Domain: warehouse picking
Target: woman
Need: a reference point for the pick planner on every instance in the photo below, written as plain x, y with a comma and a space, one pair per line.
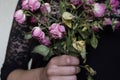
105, 59
19, 54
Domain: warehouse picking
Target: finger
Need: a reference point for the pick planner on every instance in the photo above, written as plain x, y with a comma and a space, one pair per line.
65, 60
63, 70
73, 77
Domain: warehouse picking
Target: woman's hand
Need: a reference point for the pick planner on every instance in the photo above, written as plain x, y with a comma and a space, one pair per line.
59, 68
62, 68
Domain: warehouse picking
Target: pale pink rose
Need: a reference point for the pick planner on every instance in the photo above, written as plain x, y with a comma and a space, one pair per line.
99, 9
38, 33
33, 20
20, 16
76, 2
34, 4
107, 21
89, 1
57, 31
45, 8
25, 4
46, 41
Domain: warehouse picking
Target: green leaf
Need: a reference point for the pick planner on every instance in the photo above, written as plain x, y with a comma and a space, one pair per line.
51, 53
94, 41
68, 39
62, 7
28, 36
41, 49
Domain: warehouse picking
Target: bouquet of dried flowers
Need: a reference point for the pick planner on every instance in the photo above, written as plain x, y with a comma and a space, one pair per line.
67, 26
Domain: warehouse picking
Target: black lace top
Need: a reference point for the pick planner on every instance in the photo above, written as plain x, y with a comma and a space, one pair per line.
105, 59
18, 52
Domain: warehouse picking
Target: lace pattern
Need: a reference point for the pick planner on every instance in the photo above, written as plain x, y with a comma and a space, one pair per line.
18, 50
18, 47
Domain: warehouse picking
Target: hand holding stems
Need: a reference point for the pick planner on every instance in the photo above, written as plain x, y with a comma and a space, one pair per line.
62, 68
59, 68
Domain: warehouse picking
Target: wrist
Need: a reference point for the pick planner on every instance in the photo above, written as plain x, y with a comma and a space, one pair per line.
40, 74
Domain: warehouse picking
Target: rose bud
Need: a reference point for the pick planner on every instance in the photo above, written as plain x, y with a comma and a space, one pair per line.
20, 16
76, 2
99, 9
38, 33
34, 5
57, 31
25, 4
45, 8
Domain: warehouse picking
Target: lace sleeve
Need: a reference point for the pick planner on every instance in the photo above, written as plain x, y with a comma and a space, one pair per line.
18, 51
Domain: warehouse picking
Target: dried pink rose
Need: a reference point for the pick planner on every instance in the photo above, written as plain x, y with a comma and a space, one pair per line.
57, 31
99, 9
20, 16
34, 4
45, 8
46, 41
25, 4
38, 33
114, 3
76, 2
